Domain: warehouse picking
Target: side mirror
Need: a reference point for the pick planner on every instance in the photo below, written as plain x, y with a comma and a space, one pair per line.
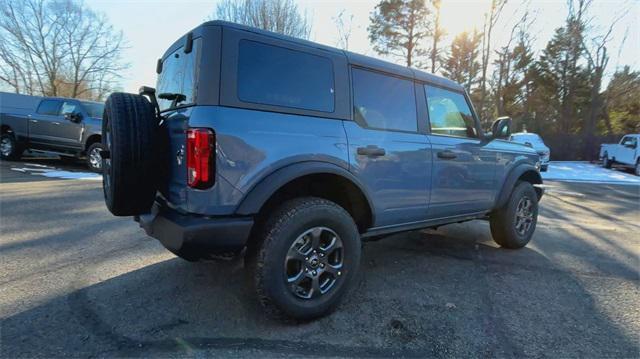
73, 117
501, 128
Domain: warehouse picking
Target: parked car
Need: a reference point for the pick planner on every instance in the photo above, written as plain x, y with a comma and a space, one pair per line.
297, 152
67, 127
534, 141
625, 153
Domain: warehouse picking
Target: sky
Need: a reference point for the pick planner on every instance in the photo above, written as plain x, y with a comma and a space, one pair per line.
150, 26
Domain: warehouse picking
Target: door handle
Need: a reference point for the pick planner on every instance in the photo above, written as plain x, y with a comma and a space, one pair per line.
447, 155
372, 151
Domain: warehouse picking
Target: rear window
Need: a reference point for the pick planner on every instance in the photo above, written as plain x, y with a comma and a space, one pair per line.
178, 76
384, 102
272, 75
49, 107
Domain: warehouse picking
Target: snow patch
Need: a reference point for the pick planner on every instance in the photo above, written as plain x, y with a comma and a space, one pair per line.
51, 172
588, 173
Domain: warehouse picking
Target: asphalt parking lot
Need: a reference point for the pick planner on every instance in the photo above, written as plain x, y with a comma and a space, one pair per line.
76, 281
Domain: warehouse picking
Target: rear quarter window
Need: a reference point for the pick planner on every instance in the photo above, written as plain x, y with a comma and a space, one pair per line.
277, 76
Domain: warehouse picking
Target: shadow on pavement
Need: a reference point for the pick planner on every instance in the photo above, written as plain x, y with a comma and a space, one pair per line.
419, 294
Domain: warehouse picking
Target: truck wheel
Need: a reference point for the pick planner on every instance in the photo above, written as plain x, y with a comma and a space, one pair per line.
129, 135
513, 225
638, 167
9, 147
309, 256
94, 158
606, 162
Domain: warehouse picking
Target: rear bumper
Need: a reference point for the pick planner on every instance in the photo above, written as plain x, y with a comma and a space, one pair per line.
189, 233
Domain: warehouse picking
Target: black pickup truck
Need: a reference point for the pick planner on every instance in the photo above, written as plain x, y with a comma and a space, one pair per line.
70, 128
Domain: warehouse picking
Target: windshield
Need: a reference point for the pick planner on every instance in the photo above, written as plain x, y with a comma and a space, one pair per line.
178, 76
94, 109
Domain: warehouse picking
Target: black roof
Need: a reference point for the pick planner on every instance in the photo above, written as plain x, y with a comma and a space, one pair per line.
353, 58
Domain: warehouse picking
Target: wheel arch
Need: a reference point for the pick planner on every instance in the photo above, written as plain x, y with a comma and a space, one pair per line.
312, 178
91, 140
521, 172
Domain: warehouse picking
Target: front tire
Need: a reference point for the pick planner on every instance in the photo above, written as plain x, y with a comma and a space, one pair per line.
94, 158
606, 162
9, 148
513, 225
309, 257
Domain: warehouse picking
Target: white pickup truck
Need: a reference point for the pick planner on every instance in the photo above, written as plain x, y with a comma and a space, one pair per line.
625, 153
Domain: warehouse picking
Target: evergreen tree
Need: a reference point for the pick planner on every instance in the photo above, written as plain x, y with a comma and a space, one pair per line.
398, 28
462, 64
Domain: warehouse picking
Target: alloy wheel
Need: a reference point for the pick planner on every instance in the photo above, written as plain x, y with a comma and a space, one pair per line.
314, 263
524, 215
95, 159
6, 146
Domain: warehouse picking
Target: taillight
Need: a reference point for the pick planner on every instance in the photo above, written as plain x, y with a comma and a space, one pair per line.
200, 158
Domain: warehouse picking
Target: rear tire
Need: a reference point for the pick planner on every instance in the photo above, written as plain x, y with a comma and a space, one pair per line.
606, 162
513, 225
298, 272
10, 149
129, 134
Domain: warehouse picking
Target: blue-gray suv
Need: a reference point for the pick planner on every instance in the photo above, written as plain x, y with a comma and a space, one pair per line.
292, 153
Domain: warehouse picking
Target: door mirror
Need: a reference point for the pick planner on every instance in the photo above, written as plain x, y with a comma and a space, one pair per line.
501, 128
73, 117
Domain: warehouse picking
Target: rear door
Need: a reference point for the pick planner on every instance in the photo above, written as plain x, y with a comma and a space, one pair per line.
463, 169
387, 150
42, 121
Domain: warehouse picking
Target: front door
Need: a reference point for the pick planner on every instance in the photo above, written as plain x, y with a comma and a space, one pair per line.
66, 132
387, 151
463, 169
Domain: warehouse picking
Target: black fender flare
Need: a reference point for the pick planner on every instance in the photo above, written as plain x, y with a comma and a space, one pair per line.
263, 190
510, 181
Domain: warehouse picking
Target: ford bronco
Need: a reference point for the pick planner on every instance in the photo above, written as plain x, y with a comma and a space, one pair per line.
292, 153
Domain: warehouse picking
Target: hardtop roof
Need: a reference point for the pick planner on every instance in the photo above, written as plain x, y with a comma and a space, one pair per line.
353, 58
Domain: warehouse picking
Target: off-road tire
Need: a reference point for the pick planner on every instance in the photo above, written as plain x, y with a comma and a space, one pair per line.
503, 221
606, 162
129, 135
280, 231
94, 146
16, 149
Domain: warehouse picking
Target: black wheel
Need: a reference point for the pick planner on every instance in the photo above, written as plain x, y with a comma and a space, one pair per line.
10, 149
94, 158
309, 256
606, 162
513, 225
129, 135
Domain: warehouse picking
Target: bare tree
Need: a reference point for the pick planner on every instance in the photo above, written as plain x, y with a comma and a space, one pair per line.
490, 21
344, 25
281, 16
597, 60
436, 53
58, 48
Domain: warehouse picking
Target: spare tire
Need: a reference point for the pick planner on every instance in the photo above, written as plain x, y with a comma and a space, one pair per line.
129, 138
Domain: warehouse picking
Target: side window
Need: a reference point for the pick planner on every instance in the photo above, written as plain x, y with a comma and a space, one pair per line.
627, 140
69, 107
277, 76
49, 107
449, 113
384, 102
